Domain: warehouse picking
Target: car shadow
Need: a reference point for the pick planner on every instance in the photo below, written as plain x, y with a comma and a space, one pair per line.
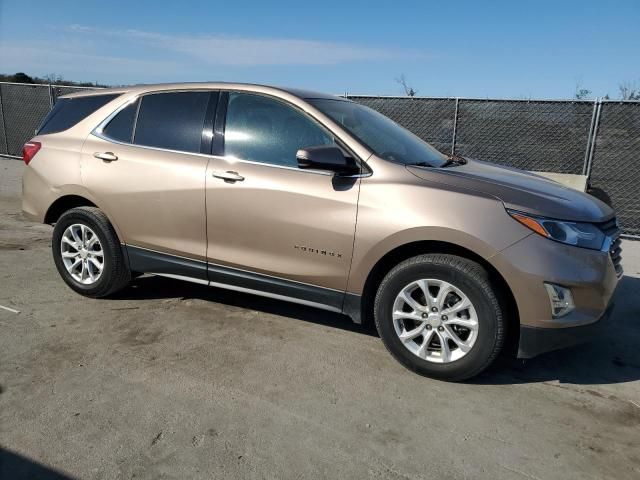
17, 467
614, 358
156, 287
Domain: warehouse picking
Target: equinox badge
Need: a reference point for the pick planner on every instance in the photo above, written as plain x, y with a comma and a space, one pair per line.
326, 253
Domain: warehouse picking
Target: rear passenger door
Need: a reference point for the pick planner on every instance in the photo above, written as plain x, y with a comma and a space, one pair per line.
146, 168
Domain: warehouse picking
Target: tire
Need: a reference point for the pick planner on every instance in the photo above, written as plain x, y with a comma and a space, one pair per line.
484, 338
115, 273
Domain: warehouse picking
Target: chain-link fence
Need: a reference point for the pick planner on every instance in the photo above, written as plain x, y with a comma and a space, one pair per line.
536, 135
22, 108
599, 139
615, 167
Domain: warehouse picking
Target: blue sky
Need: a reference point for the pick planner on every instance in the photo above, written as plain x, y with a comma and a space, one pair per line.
506, 49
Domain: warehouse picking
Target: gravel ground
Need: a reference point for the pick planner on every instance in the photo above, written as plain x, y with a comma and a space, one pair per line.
176, 380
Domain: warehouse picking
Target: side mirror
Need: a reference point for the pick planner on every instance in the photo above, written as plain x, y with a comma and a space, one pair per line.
327, 157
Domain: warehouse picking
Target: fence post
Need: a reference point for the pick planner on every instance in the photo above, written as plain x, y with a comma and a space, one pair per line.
455, 128
51, 99
594, 136
4, 125
588, 148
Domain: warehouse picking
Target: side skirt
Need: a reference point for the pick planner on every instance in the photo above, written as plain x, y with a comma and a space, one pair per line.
149, 261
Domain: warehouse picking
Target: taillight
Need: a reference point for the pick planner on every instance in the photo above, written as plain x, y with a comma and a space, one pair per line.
29, 151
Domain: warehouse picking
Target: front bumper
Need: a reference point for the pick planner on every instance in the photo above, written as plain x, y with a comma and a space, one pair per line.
534, 341
534, 260
589, 274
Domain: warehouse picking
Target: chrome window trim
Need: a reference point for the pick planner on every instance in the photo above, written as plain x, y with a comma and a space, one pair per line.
135, 120
95, 133
232, 160
98, 132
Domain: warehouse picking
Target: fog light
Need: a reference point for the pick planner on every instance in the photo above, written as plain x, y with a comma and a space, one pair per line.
560, 298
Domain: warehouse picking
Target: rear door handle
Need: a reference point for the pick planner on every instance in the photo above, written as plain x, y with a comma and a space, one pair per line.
229, 176
106, 156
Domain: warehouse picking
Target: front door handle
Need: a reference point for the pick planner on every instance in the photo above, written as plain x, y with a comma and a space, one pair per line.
106, 156
229, 176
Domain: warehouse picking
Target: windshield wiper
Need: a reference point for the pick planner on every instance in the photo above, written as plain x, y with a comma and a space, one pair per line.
453, 159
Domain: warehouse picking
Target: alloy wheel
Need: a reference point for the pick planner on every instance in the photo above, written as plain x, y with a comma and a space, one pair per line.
82, 254
435, 320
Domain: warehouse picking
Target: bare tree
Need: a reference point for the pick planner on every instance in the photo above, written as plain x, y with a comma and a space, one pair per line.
408, 90
53, 78
629, 91
581, 92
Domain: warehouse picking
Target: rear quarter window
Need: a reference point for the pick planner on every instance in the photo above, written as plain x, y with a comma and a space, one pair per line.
120, 128
69, 111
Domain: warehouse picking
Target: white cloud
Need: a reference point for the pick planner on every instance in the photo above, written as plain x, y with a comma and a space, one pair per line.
89, 53
250, 51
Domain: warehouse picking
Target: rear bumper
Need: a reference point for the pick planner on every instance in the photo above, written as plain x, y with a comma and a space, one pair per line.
35, 195
534, 341
30, 216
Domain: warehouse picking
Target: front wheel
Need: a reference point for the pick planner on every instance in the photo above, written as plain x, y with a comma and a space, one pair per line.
87, 253
439, 316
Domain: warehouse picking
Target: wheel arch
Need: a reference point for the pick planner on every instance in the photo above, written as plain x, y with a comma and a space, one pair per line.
73, 200
403, 252
64, 203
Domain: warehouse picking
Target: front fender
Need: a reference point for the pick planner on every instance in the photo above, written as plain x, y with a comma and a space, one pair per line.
406, 209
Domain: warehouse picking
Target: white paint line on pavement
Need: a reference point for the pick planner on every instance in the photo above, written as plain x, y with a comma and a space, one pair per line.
9, 309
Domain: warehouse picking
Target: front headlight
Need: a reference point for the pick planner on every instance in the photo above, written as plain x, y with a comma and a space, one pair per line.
585, 235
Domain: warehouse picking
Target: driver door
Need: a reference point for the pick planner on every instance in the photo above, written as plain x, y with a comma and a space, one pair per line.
272, 226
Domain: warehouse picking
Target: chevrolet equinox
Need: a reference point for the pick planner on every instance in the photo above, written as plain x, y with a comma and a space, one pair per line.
316, 199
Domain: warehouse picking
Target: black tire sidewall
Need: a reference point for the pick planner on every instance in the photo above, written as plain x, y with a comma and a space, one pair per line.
474, 286
78, 216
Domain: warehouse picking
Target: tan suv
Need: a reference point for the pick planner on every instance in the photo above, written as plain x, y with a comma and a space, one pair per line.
318, 200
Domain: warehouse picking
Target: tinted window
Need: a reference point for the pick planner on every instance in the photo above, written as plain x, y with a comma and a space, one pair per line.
172, 120
266, 130
69, 111
121, 126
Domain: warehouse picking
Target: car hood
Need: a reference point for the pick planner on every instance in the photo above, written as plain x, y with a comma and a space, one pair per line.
520, 190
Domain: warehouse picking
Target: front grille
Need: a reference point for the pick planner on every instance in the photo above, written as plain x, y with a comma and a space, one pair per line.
612, 231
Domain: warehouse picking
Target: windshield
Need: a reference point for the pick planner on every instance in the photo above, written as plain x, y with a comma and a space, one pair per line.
385, 137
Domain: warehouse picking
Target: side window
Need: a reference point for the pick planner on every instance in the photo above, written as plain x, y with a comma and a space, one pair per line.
120, 127
172, 120
265, 130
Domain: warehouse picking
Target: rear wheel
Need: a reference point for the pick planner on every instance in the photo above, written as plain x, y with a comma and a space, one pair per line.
439, 316
87, 253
